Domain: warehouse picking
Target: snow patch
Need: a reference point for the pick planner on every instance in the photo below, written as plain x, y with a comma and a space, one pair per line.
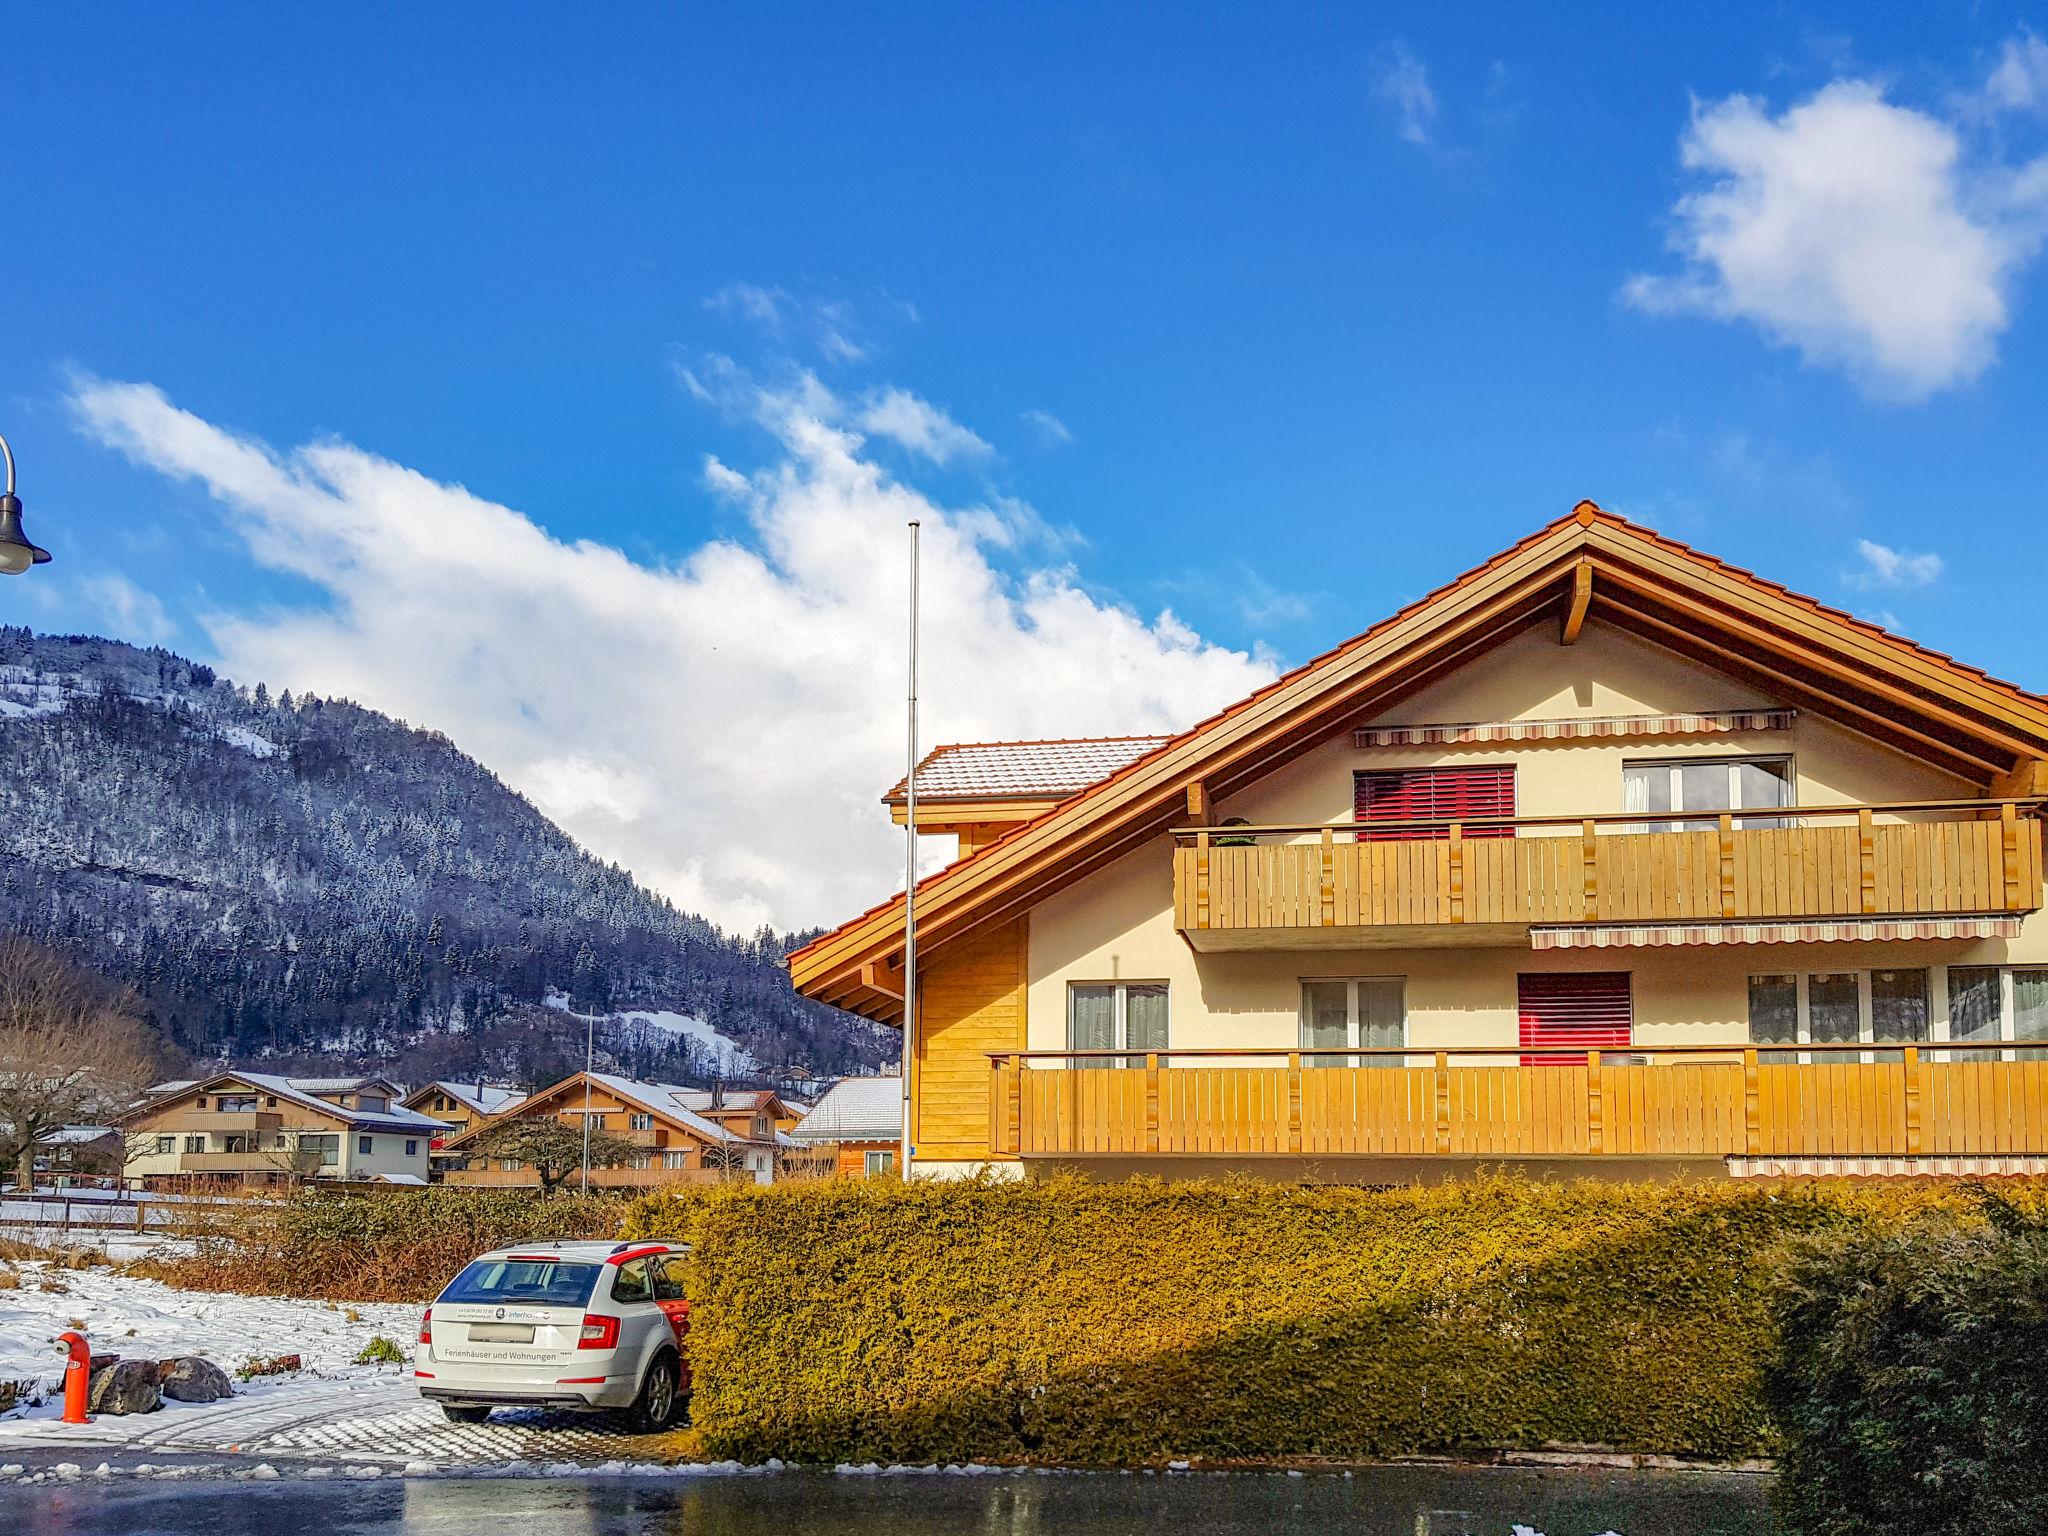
724, 1053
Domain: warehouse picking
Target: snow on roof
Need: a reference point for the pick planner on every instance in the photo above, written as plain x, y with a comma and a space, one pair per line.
1023, 770
479, 1098
670, 1099
400, 1178
702, 1099
76, 1135
306, 1091
856, 1109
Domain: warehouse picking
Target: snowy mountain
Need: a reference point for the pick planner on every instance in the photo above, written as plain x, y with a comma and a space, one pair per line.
299, 879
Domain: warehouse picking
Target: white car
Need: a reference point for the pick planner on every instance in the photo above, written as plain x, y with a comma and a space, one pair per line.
560, 1325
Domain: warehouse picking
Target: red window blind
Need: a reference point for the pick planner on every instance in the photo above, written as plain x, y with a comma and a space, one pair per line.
1591, 1010
1432, 794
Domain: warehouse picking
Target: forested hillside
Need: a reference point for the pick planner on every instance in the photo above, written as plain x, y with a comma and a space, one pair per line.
300, 877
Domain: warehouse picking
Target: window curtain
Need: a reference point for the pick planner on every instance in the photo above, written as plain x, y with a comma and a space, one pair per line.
1091, 1018
1145, 1016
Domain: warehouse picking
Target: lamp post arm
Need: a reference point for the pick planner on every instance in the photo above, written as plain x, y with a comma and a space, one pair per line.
7, 454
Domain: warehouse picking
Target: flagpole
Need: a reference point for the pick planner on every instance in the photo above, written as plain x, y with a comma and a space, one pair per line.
910, 876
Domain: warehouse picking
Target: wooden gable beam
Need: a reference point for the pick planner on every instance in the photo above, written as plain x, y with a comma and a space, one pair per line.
883, 976
1581, 600
1200, 808
2025, 779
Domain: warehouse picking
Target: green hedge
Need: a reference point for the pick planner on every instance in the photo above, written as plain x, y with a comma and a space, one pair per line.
1116, 1322
1911, 1381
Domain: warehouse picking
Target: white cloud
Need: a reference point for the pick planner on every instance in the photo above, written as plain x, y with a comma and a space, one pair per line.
723, 725
1052, 432
1853, 230
919, 426
827, 324
2020, 80
128, 612
1403, 83
1887, 567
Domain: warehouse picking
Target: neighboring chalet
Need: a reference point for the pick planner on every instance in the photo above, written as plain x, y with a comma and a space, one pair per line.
252, 1128
861, 1120
461, 1107
680, 1135
1605, 856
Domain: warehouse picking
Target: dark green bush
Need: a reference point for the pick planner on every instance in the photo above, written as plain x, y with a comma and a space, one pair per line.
1115, 1322
1911, 1380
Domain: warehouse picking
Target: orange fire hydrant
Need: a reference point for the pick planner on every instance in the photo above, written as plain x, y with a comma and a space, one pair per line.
77, 1376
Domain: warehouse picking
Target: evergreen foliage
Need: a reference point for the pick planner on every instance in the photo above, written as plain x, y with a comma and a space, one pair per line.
299, 878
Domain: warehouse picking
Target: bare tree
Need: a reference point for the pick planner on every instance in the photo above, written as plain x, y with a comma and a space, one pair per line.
552, 1148
298, 1159
72, 1050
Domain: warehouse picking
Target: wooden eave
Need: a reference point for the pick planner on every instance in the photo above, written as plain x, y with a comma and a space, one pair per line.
540, 1103
1790, 647
182, 1098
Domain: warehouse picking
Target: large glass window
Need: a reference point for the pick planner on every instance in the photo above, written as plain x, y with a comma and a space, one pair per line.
1898, 1008
1834, 1010
1370, 1012
1976, 1008
1876, 1007
1116, 1016
1774, 1014
2030, 1006
1664, 785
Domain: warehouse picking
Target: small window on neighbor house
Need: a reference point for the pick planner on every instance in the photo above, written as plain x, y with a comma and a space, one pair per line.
876, 1164
639, 1122
195, 1143
363, 1145
270, 1102
166, 1144
412, 1149
200, 1102
675, 1159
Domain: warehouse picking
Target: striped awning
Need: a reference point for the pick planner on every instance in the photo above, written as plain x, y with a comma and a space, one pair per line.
1712, 722
1658, 935
1885, 1167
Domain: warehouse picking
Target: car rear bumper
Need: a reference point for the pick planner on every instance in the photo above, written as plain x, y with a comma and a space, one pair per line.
462, 1384
561, 1397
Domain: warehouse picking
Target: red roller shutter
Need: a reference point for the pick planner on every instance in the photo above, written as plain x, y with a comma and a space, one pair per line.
1432, 794
1591, 1010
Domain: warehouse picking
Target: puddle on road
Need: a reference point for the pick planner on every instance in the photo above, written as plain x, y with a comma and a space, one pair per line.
1397, 1501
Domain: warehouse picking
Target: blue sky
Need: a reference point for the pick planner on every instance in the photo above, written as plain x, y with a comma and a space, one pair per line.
1272, 317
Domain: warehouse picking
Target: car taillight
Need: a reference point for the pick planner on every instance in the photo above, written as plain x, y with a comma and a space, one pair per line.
598, 1332
426, 1326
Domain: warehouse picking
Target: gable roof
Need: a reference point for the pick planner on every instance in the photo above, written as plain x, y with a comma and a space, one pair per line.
1021, 770
1791, 647
856, 1109
303, 1093
477, 1098
667, 1101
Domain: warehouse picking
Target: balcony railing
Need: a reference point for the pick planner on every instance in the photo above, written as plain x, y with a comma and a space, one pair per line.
1932, 1099
1497, 877
222, 1122
600, 1178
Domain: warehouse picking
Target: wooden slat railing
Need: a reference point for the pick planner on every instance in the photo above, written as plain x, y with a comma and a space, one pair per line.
1951, 858
1931, 1099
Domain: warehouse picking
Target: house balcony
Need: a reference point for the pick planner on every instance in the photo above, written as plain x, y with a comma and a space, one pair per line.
1533, 880
1931, 1101
222, 1122
600, 1178
278, 1161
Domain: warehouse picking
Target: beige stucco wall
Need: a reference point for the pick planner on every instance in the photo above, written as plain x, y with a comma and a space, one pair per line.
1118, 923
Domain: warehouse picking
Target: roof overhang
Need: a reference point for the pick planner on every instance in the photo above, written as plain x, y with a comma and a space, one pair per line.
1792, 648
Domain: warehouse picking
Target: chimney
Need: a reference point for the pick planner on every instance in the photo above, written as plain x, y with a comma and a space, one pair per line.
718, 1093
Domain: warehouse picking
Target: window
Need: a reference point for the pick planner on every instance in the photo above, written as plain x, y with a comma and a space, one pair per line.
667, 1275
329, 1147
599, 1122
195, 1143
371, 1101
236, 1104
513, 1165
1714, 784
675, 1159
640, 1160
237, 1143
876, 1164
1881, 1007
1593, 1010
1367, 1011
412, 1149
1991, 1003
639, 1122
761, 1127
363, 1144
166, 1144
1116, 1016
632, 1282
1432, 794
529, 1282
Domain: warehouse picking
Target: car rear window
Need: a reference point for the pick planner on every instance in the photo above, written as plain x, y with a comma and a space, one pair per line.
524, 1282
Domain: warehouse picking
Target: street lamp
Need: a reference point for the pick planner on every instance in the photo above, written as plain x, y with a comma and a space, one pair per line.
16, 553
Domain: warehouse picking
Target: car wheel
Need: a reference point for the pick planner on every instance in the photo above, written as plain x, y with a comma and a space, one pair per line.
457, 1414
656, 1406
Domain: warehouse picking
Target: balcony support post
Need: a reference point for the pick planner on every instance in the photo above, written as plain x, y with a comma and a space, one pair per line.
1202, 879
1329, 879
1727, 829
1752, 1106
1455, 845
1866, 858
1594, 1138
1151, 1101
2009, 843
1910, 1065
1294, 1102
1590, 859
1443, 1102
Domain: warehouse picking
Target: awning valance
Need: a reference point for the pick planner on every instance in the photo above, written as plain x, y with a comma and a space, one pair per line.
1660, 935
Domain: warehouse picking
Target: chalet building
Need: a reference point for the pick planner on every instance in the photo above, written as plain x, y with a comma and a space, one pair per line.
679, 1135
253, 1128
860, 1120
461, 1107
1606, 856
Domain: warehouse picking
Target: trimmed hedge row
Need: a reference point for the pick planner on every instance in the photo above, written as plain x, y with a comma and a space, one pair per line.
1117, 1322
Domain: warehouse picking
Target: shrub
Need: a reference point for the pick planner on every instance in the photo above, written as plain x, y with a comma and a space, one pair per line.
402, 1246
1118, 1322
380, 1351
1911, 1380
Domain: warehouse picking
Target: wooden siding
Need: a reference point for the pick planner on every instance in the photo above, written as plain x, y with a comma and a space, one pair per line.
1707, 1103
1971, 863
970, 1002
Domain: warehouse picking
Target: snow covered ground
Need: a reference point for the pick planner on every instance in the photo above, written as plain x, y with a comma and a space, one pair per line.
724, 1052
124, 1315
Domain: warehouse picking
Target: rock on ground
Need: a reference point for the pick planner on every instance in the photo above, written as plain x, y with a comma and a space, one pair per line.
192, 1379
126, 1386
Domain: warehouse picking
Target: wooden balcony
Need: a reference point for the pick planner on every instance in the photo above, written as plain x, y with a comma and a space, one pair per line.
222, 1122
1318, 887
1926, 1101
600, 1178
278, 1161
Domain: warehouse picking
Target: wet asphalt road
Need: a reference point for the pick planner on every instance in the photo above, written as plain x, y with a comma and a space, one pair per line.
1386, 1502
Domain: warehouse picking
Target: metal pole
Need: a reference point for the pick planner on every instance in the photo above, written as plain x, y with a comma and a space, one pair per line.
7, 454
589, 1039
910, 876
